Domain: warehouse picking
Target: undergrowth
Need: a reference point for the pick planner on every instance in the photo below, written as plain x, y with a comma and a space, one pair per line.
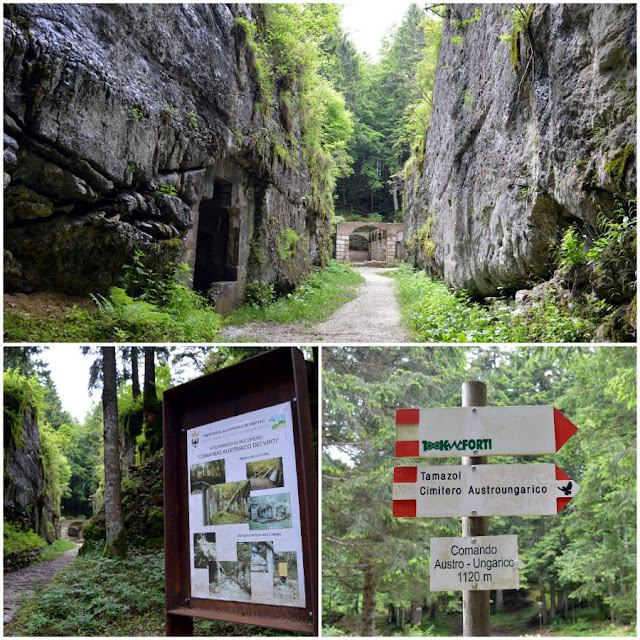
316, 299
98, 596
16, 539
435, 314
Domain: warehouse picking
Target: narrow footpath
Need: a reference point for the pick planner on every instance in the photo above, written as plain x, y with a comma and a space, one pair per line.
18, 584
373, 317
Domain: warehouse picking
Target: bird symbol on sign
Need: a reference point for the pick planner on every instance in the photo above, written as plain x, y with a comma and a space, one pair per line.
567, 489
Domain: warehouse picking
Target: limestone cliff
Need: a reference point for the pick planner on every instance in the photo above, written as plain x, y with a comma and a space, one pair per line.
137, 127
533, 127
26, 495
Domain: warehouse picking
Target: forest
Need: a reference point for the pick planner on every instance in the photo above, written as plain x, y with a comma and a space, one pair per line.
579, 567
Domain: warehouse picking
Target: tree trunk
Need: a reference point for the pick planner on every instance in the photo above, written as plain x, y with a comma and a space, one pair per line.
612, 612
112, 491
552, 598
151, 408
543, 609
499, 600
416, 613
135, 377
368, 597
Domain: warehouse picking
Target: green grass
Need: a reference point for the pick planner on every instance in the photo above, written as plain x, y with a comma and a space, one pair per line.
315, 300
435, 314
16, 539
97, 596
184, 316
56, 549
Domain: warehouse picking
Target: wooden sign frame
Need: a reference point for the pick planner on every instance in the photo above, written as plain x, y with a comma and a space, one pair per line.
274, 377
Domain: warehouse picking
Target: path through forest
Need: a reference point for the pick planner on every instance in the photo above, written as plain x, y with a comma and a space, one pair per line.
372, 317
20, 583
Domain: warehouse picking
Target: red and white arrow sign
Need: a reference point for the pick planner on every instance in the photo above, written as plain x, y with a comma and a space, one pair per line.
481, 490
480, 431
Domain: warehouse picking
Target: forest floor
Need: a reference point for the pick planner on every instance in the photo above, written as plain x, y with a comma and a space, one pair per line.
18, 584
372, 317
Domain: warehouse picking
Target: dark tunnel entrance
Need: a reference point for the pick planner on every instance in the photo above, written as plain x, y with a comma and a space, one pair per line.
216, 245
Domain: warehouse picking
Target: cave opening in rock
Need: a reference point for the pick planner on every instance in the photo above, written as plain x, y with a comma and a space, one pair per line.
217, 242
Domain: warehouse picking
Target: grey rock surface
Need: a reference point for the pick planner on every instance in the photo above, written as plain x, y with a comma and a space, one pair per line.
520, 149
120, 121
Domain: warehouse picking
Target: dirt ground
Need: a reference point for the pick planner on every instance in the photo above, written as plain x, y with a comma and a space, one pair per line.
372, 317
20, 583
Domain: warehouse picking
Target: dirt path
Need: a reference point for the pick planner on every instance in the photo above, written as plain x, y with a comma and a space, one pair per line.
21, 583
373, 317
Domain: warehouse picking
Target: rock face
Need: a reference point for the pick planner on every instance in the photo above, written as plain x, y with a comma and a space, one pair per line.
136, 127
25, 496
533, 127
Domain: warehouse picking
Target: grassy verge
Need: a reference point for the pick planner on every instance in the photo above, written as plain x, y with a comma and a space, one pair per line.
56, 549
119, 318
316, 299
96, 596
435, 314
182, 316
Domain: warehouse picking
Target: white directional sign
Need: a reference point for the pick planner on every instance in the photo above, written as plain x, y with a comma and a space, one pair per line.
478, 563
480, 431
481, 490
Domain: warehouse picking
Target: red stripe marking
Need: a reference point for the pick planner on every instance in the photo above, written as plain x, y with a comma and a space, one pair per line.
408, 449
404, 508
405, 474
561, 475
407, 416
562, 503
564, 428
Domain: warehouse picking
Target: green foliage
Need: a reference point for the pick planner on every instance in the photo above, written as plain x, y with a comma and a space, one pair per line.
286, 244
425, 238
164, 189
285, 46
434, 314
614, 250
467, 98
137, 114
21, 393
570, 253
192, 119
17, 539
260, 294
316, 299
617, 167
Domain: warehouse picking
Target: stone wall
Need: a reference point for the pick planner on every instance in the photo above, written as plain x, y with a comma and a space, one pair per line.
127, 125
20, 560
383, 238
532, 130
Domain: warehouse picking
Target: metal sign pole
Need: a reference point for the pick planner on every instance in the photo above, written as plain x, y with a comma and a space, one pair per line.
475, 604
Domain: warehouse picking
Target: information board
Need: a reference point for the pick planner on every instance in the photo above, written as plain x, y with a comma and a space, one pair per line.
476, 563
244, 514
240, 497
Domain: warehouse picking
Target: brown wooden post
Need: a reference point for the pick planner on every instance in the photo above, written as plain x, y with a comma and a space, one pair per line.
475, 604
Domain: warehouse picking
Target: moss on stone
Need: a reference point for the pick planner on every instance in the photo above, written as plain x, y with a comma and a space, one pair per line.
617, 167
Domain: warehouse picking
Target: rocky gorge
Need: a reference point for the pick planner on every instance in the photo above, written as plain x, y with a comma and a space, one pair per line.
532, 133
140, 128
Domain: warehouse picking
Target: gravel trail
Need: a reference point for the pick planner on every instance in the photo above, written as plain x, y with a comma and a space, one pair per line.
373, 317
22, 582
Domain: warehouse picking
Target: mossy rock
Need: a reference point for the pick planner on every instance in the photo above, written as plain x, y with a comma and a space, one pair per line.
155, 522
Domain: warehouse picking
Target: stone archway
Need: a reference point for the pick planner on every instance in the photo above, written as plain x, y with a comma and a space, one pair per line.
385, 240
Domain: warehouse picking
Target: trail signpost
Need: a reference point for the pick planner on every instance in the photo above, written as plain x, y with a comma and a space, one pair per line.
481, 490
471, 431
481, 562
477, 562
